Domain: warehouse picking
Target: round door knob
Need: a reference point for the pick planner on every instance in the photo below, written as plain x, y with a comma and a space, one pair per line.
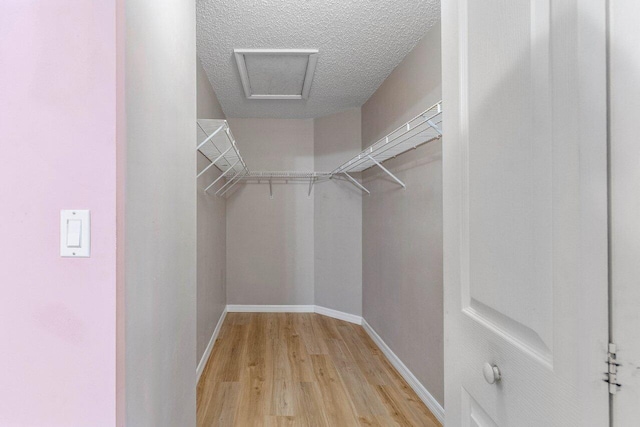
491, 373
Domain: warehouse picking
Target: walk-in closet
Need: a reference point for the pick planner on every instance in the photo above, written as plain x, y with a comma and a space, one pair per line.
319, 187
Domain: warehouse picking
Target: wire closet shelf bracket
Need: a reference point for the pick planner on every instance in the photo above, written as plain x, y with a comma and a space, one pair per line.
424, 128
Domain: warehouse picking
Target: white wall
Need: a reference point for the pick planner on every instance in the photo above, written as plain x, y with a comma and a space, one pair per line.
402, 229
270, 243
160, 213
211, 229
337, 216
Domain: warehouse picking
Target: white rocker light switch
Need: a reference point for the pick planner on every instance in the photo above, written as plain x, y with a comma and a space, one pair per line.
75, 233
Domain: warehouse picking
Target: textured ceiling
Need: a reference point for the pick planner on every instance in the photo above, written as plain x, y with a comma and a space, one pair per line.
360, 43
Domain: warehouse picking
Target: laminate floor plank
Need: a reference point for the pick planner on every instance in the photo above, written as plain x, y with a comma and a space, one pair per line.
310, 410
338, 406
302, 370
221, 408
278, 421
232, 354
364, 398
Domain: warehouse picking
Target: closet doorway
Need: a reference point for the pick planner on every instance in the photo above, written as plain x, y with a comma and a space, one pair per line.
319, 187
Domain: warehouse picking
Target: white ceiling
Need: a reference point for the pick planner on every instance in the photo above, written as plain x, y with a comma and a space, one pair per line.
360, 43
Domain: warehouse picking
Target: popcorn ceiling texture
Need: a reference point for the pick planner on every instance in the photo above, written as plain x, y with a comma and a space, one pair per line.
360, 43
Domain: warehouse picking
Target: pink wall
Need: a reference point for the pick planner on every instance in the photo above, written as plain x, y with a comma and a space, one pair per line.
57, 141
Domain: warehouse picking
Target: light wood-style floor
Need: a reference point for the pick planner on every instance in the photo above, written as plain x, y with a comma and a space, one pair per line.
302, 369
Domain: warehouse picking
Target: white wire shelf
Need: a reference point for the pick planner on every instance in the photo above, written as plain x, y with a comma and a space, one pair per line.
423, 128
216, 143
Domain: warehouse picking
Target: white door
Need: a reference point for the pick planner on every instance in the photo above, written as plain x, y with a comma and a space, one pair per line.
625, 206
525, 211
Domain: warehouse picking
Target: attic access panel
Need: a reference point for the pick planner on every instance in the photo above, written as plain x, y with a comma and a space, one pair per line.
276, 73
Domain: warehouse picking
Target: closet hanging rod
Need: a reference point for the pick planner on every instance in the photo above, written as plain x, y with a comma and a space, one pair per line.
285, 175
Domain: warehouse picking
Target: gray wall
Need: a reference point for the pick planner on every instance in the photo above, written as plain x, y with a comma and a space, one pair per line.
337, 216
160, 213
208, 105
212, 229
402, 229
270, 242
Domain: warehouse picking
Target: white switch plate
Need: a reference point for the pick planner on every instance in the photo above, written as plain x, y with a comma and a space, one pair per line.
70, 245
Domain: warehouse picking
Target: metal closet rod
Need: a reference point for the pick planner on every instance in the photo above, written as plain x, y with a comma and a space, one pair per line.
286, 176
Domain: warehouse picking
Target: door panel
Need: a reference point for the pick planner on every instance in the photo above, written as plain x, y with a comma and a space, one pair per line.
625, 206
508, 160
473, 414
525, 212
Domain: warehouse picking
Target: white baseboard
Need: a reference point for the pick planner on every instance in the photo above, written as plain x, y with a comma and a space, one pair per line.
341, 315
233, 308
420, 390
347, 317
212, 341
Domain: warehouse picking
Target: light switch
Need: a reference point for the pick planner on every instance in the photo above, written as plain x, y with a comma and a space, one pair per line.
75, 233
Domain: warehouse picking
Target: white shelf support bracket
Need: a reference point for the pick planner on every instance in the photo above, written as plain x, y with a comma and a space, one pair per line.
204, 170
356, 183
214, 162
231, 186
220, 177
228, 182
221, 156
270, 189
210, 136
311, 180
435, 127
395, 178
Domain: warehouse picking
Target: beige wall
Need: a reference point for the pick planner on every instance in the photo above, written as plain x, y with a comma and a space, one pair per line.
270, 241
212, 229
160, 213
337, 216
290, 249
402, 229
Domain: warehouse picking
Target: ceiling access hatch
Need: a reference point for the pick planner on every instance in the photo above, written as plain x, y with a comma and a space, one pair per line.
276, 73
